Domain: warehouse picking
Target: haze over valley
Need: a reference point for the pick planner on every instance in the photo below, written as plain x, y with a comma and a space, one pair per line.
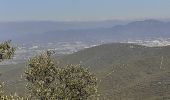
69, 37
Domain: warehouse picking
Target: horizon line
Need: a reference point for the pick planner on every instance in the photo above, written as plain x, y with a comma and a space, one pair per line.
100, 20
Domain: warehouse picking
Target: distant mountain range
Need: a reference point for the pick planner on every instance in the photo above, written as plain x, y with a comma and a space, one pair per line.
17, 30
134, 30
86, 31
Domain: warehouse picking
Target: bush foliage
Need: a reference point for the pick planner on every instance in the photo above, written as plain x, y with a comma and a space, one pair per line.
6, 50
49, 82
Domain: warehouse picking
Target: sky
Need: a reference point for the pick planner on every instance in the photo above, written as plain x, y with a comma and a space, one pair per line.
82, 10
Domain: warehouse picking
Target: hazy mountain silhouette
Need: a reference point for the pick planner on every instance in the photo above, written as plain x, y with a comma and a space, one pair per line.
134, 30
26, 28
88, 31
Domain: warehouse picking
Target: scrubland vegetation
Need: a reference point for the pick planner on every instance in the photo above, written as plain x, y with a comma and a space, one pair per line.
124, 72
46, 81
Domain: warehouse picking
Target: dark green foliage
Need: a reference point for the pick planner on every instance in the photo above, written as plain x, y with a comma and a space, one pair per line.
6, 51
48, 82
41, 75
75, 83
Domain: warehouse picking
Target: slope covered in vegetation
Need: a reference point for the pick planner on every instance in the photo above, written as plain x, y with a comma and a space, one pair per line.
124, 71
128, 71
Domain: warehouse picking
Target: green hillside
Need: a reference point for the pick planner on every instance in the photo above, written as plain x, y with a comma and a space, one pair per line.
128, 71
12, 77
125, 71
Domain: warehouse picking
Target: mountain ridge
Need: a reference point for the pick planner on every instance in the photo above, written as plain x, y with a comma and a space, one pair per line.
134, 30
106, 31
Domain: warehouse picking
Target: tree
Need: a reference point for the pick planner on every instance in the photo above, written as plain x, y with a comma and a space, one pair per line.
6, 50
41, 75
49, 82
75, 83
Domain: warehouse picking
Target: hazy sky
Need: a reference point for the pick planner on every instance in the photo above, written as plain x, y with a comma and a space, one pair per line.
66, 10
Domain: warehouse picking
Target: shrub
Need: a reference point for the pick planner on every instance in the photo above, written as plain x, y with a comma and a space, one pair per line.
48, 82
75, 83
40, 74
6, 51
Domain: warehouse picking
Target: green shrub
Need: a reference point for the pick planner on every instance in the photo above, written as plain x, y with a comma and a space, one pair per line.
6, 51
48, 82
75, 83
40, 74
